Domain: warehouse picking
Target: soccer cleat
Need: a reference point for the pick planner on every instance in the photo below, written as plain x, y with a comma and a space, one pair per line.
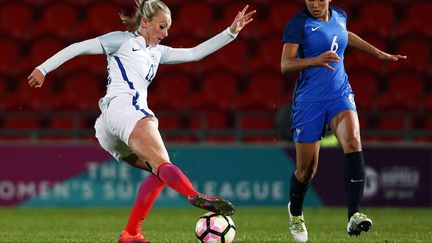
358, 222
297, 227
211, 203
125, 237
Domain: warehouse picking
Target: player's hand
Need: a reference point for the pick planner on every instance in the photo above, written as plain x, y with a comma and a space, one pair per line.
36, 79
326, 58
390, 57
241, 20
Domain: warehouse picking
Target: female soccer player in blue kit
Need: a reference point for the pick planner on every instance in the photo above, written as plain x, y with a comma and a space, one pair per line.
127, 128
314, 43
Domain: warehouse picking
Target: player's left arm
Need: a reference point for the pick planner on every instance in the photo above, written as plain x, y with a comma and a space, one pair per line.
358, 43
181, 55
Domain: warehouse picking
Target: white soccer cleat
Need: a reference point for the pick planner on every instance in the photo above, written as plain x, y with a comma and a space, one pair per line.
297, 227
358, 222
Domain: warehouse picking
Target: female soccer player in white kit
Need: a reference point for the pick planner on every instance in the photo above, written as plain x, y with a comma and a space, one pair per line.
127, 128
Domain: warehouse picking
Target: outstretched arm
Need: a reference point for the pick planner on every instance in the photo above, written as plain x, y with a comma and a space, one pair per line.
358, 43
37, 77
180, 55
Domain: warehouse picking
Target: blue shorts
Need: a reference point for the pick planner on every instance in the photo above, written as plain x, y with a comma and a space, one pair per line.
310, 120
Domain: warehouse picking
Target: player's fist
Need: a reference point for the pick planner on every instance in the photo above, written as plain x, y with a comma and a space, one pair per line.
36, 79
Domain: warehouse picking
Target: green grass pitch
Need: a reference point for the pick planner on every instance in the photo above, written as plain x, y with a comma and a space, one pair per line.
254, 224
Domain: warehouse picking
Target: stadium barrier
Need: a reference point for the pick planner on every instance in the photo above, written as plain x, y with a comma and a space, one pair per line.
85, 175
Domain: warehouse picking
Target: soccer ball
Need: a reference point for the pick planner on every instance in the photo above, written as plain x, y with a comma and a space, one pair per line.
215, 228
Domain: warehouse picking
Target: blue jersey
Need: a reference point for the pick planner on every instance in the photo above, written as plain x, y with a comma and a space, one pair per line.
314, 37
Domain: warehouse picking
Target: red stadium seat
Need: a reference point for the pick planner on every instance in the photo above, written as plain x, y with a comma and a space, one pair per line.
10, 51
94, 64
231, 57
172, 91
256, 127
344, 5
58, 19
18, 122
393, 123
41, 50
67, 122
81, 92
428, 102
195, 18
25, 98
404, 93
418, 51
215, 100
268, 56
365, 87
356, 60
256, 122
389, 125
278, 16
101, 18
180, 138
210, 118
218, 91
38, 3
16, 19
416, 20
376, 18
169, 123
83, 3
220, 3
265, 92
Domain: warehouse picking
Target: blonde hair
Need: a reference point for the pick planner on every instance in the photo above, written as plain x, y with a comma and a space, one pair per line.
146, 9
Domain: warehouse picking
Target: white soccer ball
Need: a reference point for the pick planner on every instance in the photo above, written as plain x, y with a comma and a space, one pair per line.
215, 228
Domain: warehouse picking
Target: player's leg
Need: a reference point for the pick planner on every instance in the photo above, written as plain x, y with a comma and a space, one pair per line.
149, 189
306, 166
148, 192
347, 129
147, 144
308, 126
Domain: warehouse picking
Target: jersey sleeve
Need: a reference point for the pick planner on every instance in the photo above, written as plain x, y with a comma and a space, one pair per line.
294, 30
180, 55
112, 41
90, 46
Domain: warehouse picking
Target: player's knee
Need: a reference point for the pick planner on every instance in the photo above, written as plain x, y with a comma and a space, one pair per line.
304, 176
353, 144
156, 166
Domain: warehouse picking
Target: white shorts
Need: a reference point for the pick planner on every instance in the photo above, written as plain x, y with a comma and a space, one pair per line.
114, 126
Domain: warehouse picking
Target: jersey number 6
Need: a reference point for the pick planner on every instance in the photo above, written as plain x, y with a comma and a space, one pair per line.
334, 46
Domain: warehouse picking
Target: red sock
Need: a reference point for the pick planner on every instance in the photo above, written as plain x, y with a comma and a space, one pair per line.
174, 178
147, 194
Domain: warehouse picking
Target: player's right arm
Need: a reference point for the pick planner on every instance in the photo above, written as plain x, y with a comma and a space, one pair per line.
291, 63
91, 46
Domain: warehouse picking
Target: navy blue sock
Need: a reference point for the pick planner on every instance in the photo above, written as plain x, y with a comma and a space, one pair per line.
354, 180
297, 194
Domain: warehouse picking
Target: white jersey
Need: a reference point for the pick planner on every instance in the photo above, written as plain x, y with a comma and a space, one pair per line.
132, 65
